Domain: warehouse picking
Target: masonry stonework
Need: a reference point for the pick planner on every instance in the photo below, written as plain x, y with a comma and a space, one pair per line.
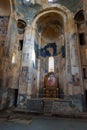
36, 32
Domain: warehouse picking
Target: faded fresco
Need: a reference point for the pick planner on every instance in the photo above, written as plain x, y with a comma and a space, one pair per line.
24, 80
50, 31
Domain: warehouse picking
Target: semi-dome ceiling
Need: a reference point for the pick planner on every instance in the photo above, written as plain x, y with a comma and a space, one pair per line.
50, 26
79, 17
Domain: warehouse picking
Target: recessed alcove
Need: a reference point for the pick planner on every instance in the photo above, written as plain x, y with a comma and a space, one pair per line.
21, 24
49, 42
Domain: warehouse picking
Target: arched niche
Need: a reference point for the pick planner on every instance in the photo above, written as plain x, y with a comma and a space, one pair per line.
21, 24
50, 40
79, 17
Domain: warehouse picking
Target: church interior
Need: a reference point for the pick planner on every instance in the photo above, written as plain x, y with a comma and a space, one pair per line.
43, 55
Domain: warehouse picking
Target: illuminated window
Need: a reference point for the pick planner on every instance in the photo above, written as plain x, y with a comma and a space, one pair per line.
50, 0
26, 1
13, 58
33, 56
51, 64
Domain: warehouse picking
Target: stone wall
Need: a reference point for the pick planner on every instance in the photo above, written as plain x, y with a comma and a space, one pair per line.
68, 68
27, 72
4, 8
4, 20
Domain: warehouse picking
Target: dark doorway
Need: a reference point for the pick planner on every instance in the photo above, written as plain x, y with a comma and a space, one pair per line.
82, 38
86, 99
20, 45
84, 73
15, 97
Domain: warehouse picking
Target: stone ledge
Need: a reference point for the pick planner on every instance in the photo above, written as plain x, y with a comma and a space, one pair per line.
77, 115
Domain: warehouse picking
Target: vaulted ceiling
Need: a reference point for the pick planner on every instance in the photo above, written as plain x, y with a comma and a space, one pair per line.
30, 11
72, 5
50, 26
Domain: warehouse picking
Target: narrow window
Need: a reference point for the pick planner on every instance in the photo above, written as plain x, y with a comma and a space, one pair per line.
27, 0
51, 64
20, 45
33, 56
82, 38
86, 53
13, 58
84, 73
50, 0
86, 98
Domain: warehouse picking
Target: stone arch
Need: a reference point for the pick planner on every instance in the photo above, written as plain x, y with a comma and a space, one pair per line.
79, 16
57, 8
70, 32
21, 24
70, 39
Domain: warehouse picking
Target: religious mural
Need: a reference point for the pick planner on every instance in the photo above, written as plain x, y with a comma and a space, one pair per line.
54, 36
24, 80
51, 81
3, 29
3, 33
50, 86
48, 50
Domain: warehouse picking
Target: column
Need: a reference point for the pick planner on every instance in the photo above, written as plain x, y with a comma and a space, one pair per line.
25, 77
38, 71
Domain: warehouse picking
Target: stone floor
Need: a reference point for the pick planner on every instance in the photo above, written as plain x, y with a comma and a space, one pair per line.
42, 123
18, 120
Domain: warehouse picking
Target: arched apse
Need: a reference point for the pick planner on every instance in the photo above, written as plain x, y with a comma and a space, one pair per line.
59, 21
